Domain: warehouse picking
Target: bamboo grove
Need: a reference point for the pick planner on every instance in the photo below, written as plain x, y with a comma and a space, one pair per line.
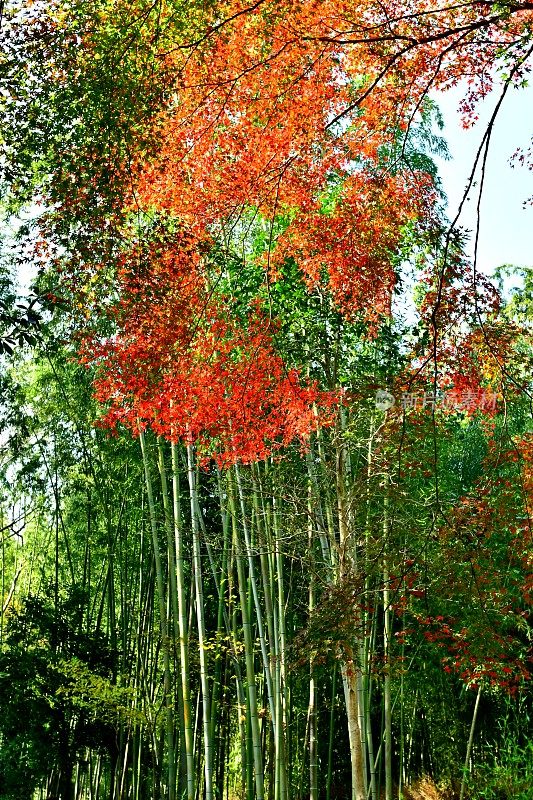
266, 444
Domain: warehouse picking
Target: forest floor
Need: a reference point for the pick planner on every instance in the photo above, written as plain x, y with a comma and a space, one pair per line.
425, 789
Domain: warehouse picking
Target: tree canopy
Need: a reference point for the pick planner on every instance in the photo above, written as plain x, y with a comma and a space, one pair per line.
267, 445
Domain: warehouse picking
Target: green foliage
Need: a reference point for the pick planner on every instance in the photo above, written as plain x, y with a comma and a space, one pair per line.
518, 282
45, 653
19, 321
508, 777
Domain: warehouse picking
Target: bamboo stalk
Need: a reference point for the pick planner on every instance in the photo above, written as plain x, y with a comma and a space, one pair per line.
183, 629
202, 637
167, 688
349, 666
387, 645
255, 596
331, 732
249, 652
281, 669
466, 768
312, 712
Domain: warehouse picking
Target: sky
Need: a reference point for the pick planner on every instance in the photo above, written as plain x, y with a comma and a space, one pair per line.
506, 231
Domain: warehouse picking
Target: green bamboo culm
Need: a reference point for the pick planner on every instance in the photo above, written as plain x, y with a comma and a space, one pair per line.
163, 622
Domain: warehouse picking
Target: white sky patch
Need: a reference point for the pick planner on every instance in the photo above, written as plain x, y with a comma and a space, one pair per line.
506, 229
